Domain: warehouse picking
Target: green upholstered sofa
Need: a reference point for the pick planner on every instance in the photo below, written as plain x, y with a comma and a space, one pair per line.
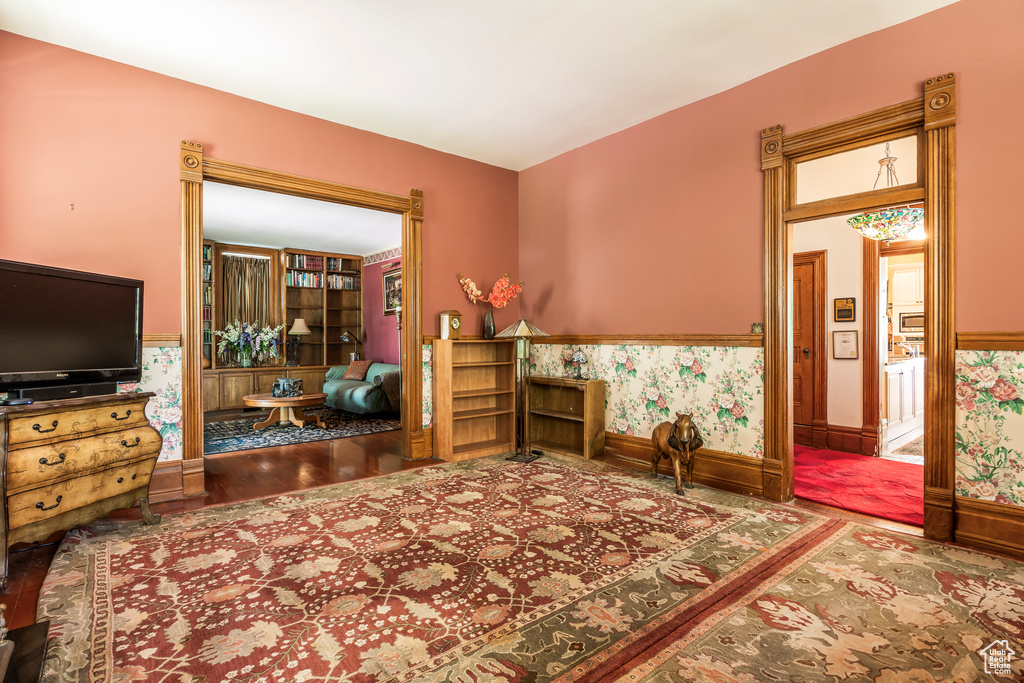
359, 396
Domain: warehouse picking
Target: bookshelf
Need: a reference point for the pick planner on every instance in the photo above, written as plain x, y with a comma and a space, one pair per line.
474, 398
325, 290
209, 347
566, 415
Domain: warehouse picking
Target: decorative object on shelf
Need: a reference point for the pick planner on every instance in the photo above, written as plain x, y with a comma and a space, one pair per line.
678, 441
522, 331
888, 224
844, 345
206, 360
503, 291
392, 291
295, 335
578, 360
844, 310
451, 325
756, 328
245, 345
350, 338
285, 386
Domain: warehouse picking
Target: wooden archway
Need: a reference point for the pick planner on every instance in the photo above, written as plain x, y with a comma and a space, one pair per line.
933, 116
194, 169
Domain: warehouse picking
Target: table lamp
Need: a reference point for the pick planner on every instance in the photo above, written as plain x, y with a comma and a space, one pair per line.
347, 337
295, 335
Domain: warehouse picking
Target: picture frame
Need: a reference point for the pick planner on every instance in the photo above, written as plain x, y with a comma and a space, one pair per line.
844, 310
845, 345
392, 290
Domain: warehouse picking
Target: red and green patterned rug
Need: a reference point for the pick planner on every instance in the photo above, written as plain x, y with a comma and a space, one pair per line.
488, 570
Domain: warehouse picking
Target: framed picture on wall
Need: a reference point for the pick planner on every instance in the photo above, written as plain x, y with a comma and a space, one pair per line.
392, 290
844, 344
844, 310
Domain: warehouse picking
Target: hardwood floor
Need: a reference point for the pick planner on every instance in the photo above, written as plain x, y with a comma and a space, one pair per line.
231, 477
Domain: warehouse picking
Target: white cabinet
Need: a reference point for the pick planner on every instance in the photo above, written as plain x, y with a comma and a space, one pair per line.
903, 400
907, 285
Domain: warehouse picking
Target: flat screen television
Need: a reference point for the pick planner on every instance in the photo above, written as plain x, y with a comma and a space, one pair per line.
65, 333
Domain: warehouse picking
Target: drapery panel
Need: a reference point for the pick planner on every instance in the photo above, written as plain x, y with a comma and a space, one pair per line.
247, 290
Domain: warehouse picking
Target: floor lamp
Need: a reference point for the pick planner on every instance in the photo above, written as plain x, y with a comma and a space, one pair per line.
522, 331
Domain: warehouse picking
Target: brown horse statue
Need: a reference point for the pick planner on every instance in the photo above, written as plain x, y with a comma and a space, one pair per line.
677, 440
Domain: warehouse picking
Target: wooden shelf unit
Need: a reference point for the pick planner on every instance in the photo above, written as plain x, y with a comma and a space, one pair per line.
207, 292
474, 398
566, 415
325, 290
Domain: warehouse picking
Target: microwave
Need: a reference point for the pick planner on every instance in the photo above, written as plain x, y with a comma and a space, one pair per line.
911, 322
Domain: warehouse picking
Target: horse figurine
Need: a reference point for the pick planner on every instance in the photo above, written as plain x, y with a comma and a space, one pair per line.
677, 440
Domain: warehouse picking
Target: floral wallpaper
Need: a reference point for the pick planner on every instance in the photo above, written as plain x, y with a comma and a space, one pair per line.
428, 385
161, 374
990, 425
723, 387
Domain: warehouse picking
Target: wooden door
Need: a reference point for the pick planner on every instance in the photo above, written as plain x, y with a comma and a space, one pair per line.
809, 423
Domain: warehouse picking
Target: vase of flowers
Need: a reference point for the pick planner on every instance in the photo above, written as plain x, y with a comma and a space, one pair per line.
504, 290
246, 345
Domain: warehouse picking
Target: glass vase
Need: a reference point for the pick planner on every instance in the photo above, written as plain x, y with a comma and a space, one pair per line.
489, 325
245, 359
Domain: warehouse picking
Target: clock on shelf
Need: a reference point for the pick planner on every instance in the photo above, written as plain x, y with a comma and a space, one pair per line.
451, 325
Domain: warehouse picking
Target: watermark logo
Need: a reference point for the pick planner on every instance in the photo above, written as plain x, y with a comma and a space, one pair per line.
997, 656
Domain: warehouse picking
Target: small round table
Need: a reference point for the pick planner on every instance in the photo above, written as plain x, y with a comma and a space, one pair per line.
285, 408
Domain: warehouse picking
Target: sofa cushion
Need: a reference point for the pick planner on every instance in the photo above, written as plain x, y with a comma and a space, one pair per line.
357, 369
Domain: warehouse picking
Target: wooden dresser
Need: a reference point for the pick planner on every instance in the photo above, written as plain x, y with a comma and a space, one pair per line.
70, 462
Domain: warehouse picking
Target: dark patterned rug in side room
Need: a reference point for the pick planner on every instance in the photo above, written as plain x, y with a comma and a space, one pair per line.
238, 435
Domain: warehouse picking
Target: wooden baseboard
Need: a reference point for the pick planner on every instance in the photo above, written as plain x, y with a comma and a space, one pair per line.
938, 513
422, 445
166, 484
988, 525
193, 476
845, 439
717, 469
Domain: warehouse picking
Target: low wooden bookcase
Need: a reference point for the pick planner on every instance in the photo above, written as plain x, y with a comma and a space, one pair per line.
71, 462
474, 398
566, 415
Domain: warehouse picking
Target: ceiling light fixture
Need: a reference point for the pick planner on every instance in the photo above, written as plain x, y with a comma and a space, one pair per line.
888, 224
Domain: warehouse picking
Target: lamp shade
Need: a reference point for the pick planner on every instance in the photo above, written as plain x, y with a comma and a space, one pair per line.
522, 328
299, 327
887, 224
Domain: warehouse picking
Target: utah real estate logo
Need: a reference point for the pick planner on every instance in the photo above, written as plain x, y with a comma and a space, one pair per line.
997, 656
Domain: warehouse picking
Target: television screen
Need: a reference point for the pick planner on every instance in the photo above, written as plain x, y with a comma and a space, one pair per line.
67, 326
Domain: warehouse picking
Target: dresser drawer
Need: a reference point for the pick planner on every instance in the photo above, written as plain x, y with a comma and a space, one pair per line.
74, 423
42, 503
48, 463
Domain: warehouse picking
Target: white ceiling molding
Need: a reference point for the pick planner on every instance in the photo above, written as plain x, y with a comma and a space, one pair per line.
507, 82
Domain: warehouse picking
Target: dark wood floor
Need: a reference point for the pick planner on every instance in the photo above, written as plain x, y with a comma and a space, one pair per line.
232, 477
249, 475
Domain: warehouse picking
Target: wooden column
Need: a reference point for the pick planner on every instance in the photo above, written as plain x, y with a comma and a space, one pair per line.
412, 326
870, 402
940, 318
191, 175
778, 372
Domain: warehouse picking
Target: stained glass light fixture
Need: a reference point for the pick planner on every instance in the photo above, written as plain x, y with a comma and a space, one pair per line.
888, 224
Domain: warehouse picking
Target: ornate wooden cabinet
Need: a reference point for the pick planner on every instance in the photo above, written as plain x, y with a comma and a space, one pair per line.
70, 462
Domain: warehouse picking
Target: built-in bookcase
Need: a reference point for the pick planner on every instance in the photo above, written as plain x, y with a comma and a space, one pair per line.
325, 290
207, 291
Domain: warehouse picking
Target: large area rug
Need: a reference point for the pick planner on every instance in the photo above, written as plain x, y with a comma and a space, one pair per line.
881, 488
238, 435
489, 571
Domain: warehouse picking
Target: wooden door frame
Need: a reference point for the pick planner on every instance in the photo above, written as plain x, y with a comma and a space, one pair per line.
819, 419
194, 168
933, 117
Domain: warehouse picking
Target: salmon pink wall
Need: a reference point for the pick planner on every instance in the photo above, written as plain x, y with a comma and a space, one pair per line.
381, 332
658, 228
103, 136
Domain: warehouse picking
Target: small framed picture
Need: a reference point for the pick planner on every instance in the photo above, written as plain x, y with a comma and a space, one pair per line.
844, 310
392, 291
844, 345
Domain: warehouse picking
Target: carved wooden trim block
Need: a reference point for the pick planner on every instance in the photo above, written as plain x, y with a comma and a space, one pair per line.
940, 102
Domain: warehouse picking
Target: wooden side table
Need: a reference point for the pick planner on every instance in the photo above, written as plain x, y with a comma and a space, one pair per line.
285, 408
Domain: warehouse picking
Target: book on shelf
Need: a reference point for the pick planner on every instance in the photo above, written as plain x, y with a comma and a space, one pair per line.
207, 272
207, 295
207, 252
343, 282
295, 278
305, 261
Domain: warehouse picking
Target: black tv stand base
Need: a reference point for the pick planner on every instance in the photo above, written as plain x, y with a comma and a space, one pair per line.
68, 391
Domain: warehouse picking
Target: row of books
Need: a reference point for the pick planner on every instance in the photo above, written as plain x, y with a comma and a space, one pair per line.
335, 263
207, 313
307, 261
207, 252
207, 333
208, 295
207, 272
343, 282
299, 279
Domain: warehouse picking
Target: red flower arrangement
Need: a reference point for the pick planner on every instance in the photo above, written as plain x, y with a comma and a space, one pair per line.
503, 291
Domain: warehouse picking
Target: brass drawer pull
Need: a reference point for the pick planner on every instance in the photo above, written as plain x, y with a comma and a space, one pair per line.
44, 431
127, 414
42, 507
59, 460
130, 445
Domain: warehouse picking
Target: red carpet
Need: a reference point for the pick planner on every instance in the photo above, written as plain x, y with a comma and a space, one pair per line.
859, 483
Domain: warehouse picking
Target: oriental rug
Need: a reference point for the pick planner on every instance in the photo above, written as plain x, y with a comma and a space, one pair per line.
238, 435
915, 447
489, 571
860, 483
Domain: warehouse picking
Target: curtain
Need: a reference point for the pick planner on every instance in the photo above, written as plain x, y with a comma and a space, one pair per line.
247, 290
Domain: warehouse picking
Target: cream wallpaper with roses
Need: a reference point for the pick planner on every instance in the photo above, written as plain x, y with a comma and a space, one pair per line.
161, 374
990, 425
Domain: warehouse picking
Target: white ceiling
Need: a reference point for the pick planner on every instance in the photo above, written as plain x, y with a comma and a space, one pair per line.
508, 82
238, 215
